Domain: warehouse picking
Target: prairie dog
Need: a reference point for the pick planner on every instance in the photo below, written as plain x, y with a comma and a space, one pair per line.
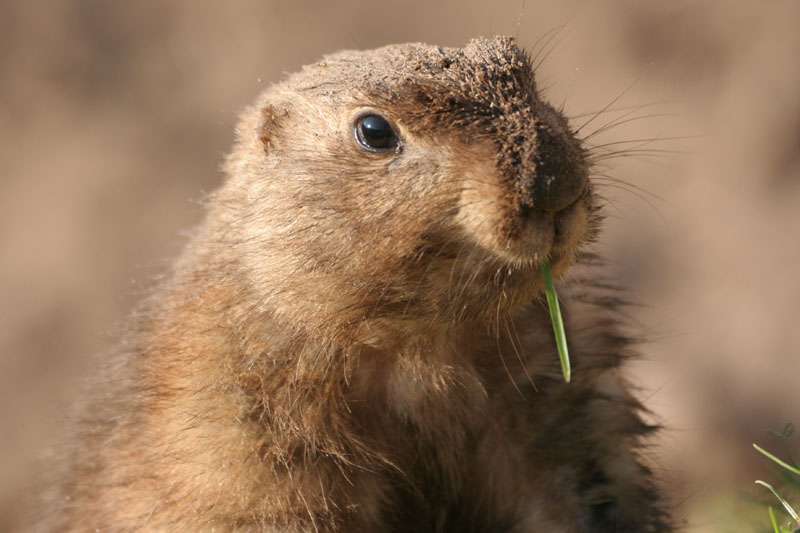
354, 340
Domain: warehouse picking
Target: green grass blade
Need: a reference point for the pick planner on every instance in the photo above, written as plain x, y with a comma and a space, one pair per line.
773, 520
787, 466
785, 504
557, 321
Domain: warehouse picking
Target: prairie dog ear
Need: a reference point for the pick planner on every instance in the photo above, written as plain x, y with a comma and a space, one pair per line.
272, 116
257, 136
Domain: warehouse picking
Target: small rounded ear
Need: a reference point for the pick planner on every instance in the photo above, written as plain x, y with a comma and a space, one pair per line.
271, 118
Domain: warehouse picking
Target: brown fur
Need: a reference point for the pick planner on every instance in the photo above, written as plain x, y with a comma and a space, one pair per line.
354, 341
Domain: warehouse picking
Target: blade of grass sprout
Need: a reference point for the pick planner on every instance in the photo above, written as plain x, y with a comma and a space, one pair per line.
787, 466
773, 520
785, 504
557, 321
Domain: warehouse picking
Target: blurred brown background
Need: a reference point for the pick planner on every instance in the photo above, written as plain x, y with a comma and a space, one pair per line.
114, 117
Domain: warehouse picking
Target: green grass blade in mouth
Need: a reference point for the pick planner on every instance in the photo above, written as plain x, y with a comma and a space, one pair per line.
557, 321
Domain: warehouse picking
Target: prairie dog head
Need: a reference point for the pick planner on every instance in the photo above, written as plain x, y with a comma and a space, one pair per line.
410, 182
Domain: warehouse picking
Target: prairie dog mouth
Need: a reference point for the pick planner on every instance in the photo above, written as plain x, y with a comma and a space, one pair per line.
543, 236
507, 227
571, 226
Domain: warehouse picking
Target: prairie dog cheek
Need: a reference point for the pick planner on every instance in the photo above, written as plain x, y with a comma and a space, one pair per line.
484, 204
490, 217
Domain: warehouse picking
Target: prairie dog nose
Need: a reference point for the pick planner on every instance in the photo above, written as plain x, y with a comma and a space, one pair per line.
561, 172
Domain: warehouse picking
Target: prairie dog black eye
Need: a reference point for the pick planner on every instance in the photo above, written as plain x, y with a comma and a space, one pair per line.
374, 133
